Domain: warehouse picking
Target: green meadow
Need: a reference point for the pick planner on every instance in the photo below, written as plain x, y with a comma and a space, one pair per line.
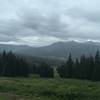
48, 89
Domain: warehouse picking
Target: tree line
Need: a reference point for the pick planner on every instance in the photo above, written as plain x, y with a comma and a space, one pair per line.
87, 68
43, 69
15, 66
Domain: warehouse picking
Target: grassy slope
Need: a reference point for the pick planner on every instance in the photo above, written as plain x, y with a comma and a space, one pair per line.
48, 89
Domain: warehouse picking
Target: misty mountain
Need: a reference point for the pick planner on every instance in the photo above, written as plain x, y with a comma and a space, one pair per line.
59, 50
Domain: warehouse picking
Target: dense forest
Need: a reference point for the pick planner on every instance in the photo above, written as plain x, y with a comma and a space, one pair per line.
85, 68
15, 66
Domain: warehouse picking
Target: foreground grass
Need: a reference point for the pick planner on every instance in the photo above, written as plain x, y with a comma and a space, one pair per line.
48, 89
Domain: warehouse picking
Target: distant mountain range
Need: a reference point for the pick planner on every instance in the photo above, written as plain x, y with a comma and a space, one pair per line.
59, 50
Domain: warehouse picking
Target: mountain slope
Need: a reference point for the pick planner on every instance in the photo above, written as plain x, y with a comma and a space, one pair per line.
58, 50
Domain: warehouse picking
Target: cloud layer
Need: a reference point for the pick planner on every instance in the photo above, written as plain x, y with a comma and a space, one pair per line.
42, 22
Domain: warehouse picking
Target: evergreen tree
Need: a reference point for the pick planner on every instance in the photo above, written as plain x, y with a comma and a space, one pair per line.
66, 70
45, 70
96, 73
62, 71
69, 66
77, 69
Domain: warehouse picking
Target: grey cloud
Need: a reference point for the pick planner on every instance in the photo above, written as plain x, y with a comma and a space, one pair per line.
81, 25
59, 20
45, 24
89, 15
34, 23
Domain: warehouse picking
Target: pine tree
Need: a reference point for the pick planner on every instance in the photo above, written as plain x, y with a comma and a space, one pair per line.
96, 73
62, 71
69, 66
45, 70
77, 69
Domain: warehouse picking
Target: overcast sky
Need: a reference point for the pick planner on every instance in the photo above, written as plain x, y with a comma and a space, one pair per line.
42, 22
